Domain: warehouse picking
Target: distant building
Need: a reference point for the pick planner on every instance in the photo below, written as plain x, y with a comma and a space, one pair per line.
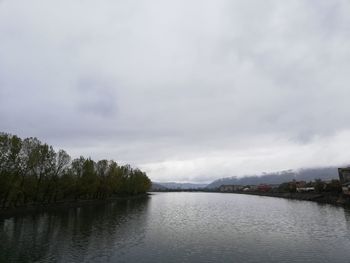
264, 187
230, 188
346, 188
344, 177
305, 189
226, 188
253, 187
300, 184
249, 188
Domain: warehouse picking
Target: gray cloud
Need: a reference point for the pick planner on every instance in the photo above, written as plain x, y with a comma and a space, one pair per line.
188, 90
96, 97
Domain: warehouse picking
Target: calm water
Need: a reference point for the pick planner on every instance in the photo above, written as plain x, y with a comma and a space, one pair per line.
182, 227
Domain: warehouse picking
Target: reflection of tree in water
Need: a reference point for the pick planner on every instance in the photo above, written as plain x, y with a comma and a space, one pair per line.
89, 233
25, 239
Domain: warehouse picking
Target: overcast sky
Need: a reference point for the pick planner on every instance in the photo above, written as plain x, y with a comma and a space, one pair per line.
187, 90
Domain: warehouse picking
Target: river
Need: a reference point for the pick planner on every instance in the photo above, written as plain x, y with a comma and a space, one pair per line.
181, 227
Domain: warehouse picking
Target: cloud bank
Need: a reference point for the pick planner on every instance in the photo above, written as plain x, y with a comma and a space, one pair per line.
187, 90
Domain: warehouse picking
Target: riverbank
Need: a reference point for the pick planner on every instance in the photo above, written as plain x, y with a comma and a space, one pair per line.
37, 208
324, 198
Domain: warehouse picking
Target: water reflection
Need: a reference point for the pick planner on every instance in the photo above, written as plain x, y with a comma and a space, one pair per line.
73, 235
347, 219
182, 227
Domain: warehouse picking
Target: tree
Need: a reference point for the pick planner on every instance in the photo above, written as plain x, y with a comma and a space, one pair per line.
319, 186
334, 186
61, 168
32, 172
102, 171
10, 166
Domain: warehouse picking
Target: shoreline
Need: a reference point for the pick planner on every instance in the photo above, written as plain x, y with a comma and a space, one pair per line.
321, 198
339, 200
39, 208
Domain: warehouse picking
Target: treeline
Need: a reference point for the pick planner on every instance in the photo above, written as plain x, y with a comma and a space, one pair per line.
31, 172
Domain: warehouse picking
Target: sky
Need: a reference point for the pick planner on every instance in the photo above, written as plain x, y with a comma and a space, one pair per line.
188, 91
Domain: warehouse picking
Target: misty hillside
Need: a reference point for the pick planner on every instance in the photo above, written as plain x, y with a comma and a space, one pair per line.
280, 177
157, 187
172, 185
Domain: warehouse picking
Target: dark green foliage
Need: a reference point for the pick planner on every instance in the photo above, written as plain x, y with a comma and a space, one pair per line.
334, 186
287, 187
33, 173
319, 186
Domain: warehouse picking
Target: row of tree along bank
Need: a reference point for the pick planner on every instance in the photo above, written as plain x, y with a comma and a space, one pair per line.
32, 173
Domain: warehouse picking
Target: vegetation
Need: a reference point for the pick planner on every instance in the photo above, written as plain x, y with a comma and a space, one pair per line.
287, 188
31, 172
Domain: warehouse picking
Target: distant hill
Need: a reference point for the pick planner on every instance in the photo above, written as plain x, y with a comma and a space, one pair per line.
309, 174
157, 187
172, 185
